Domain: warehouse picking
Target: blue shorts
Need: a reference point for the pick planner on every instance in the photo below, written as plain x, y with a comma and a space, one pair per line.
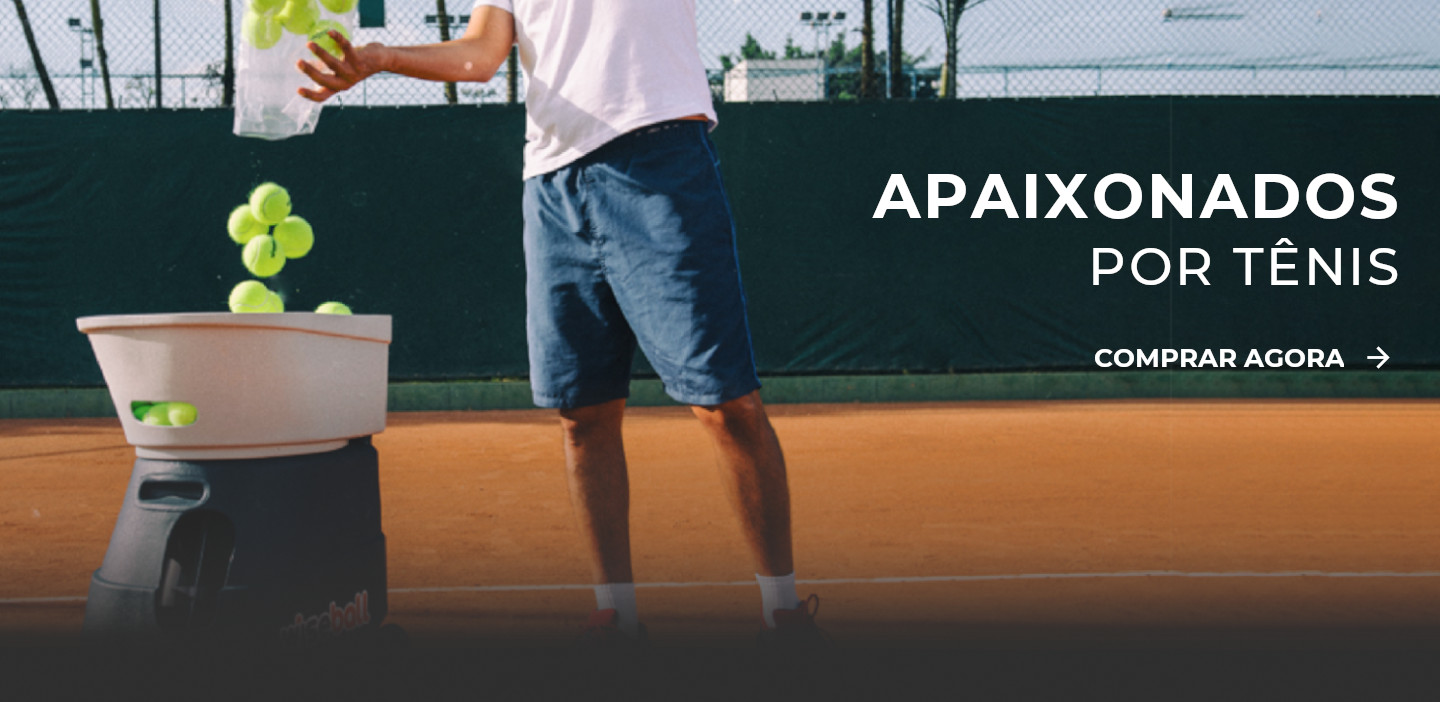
634, 245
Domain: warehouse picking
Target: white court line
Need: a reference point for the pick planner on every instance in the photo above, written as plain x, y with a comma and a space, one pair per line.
879, 581
948, 579
39, 600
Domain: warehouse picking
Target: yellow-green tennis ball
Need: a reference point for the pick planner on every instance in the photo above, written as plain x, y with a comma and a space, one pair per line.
261, 30
263, 257
140, 408
298, 16
180, 414
261, 6
319, 35
243, 226
270, 203
273, 304
333, 308
158, 415
339, 7
294, 236
249, 296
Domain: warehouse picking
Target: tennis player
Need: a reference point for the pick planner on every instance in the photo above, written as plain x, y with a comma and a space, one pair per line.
628, 242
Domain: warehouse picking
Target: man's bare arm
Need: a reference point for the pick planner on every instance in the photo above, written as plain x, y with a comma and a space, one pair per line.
475, 56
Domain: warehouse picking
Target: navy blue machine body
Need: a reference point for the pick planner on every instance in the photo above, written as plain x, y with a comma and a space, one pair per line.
286, 548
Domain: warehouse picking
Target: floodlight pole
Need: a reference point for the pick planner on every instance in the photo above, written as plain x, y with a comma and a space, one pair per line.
87, 61
822, 21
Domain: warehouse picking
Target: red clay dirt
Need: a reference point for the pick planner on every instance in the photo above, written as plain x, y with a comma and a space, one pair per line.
917, 519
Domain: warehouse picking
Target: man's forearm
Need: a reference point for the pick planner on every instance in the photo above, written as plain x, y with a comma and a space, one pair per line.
473, 57
452, 61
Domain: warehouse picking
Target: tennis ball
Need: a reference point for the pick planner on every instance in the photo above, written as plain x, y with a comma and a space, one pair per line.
322, 39
243, 226
263, 257
339, 7
333, 308
158, 415
249, 296
139, 409
180, 413
262, 6
269, 203
273, 304
294, 236
298, 16
261, 30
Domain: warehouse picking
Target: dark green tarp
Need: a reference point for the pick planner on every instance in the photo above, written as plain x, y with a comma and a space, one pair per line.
417, 215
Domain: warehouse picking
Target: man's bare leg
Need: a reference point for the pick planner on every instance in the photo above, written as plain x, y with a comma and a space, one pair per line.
752, 470
600, 496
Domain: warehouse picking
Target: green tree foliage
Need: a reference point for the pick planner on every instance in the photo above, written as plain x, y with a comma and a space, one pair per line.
750, 50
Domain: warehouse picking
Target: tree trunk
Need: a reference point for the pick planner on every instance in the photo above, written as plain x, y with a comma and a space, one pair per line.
99, 24
898, 86
35, 56
227, 78
450, 96
512, 76
952, 41
947, 74
869, 86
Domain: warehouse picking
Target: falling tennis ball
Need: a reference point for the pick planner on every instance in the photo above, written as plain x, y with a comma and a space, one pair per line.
294, 236
319, 35
263, 257
333, 308
262, 6
270, 203
273, 304
339, 7
243, 226
261, 30
180, 414
249, 296
158, 415
298, 16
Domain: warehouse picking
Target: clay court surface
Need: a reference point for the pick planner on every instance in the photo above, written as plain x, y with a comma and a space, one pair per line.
917, 521
993, 526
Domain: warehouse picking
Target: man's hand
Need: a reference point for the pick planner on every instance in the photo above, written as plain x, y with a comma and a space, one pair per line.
475, 56
336, 75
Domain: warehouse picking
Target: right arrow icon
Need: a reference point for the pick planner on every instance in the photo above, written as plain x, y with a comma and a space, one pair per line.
1383, 357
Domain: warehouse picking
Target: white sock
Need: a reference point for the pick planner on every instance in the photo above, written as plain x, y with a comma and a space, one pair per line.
621, 598
776, 593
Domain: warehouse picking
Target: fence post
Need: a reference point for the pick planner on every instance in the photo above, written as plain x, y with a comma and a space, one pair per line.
450, 96
159, 83
227, 77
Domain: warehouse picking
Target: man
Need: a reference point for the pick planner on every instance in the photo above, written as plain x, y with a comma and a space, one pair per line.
628, 242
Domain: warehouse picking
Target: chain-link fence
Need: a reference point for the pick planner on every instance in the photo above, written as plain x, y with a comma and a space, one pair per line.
110, 52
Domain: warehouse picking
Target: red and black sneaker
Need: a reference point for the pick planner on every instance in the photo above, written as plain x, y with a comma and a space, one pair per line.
603, 630
796, 628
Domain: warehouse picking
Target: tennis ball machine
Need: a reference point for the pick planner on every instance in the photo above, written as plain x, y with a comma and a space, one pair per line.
257, 515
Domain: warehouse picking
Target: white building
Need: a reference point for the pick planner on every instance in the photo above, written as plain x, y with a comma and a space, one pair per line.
769, 80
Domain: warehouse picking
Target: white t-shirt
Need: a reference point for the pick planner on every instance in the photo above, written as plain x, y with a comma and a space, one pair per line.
596, 69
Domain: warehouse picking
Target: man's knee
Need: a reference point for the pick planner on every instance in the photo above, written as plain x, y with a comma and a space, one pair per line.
582, 424
742, 415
